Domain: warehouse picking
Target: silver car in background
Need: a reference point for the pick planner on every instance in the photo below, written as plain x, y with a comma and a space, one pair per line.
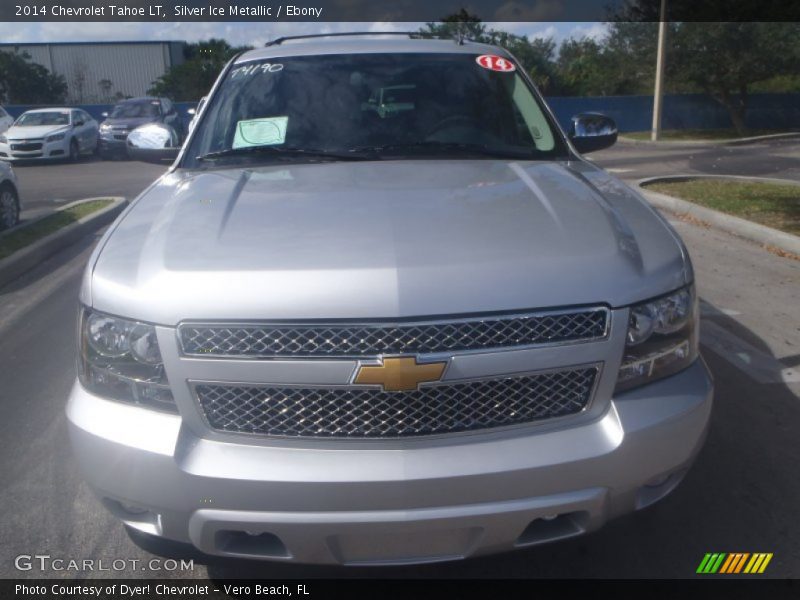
381, 311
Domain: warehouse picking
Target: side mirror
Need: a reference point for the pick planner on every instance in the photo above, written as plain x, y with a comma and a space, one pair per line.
104, 114
153, 142
592, 131
77, 123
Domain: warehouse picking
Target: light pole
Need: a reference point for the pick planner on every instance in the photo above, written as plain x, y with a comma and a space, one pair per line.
658, 94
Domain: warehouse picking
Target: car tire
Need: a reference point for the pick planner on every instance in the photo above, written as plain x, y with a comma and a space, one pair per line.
9, 206
74, 151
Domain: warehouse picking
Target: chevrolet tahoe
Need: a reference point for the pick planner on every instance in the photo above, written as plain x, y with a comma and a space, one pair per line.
334, 334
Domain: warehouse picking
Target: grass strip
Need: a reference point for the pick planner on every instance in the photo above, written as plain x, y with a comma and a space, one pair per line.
770, 204
24, 236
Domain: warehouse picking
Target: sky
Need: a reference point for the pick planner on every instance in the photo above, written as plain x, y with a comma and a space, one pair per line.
251, 33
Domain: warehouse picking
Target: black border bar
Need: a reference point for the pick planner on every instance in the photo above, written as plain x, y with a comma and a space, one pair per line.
394, 10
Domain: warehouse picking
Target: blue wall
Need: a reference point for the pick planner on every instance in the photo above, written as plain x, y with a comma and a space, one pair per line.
684, 111
632, 113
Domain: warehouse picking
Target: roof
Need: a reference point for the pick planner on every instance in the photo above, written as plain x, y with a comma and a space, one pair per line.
368, 45
139, 99
54, 109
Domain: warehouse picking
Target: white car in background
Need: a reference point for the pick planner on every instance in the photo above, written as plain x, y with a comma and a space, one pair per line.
9, 197
6, 120
47, 133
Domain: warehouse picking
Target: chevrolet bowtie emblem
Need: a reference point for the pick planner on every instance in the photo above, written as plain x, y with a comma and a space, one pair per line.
399, 374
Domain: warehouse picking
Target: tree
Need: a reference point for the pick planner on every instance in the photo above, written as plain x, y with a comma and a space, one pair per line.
582, 68
458, 25
726, 59
79, 76
722, 59
536, 56
192, 79
106, 85
629, 58
26, 82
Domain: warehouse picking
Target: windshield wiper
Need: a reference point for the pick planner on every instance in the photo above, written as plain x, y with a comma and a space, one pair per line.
446, 147
287, 152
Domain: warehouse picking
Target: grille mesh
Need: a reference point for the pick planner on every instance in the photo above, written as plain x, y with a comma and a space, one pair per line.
358, 340
372, 413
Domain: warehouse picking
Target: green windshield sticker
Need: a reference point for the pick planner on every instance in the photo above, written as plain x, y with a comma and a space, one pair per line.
260, 132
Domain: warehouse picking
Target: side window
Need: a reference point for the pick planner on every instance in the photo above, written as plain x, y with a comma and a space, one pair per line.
76, 116
86, 117
166, 106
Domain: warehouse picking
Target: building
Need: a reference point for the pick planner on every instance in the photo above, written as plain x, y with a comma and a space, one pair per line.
103, 72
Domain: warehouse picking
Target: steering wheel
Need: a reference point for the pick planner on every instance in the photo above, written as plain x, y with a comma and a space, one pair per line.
453, 121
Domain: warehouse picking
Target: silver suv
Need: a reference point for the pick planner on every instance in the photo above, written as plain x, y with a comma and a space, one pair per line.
347, 331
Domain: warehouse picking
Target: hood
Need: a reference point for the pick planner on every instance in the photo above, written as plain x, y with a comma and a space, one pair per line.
381, 240
129, 122
17, 132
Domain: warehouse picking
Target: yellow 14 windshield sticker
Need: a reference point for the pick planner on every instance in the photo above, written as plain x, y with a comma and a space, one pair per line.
260, 132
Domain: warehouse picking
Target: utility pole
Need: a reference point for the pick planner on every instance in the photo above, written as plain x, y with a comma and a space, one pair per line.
658, 94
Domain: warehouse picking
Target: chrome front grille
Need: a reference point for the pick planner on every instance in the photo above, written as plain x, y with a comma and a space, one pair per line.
350, 412
374, 339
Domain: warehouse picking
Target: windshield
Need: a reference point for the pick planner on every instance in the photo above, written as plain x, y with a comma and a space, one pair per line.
133, 110
34, 119
377, 105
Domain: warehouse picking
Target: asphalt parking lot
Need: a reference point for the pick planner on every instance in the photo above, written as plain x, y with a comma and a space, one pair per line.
777, 157
741, 495
45, 187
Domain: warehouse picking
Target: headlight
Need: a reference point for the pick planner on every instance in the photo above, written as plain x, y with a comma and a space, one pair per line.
120, 359
55, 137
662, 338
105, 127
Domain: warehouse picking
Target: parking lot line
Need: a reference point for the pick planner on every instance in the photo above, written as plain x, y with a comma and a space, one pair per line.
707, 310
754, 362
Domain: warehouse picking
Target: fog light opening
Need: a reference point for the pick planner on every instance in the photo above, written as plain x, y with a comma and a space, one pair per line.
657, 481
658, 488
553, 527
133, 509
250, 543
135, 516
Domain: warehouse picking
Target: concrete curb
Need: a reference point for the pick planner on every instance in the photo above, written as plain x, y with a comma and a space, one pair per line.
730, 142
761, 234
25, 259
693, 176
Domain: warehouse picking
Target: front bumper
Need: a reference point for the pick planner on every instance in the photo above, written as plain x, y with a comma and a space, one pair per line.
111, 145
46, 151
360, 503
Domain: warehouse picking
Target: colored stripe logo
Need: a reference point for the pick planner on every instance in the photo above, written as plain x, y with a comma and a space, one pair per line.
734, 562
